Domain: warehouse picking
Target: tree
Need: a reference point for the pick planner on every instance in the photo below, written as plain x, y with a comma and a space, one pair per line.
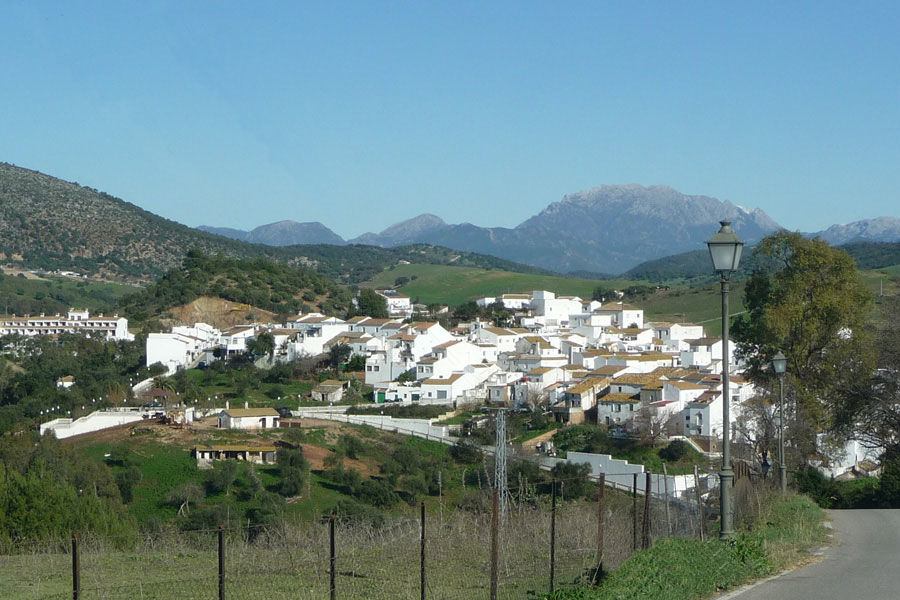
371, 304
807, 300
262, 345
126, 481
222, 476
185, 495
654, 425
339, 354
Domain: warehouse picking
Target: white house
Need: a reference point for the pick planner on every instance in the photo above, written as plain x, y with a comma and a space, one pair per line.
504, 339
673, 335
706, 352
248, 418
617, 409
554, 311
623, 315
234, 340
510, 301
398, 305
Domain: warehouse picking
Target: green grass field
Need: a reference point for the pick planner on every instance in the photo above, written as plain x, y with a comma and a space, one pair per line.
222, 385
701, 305
442, 284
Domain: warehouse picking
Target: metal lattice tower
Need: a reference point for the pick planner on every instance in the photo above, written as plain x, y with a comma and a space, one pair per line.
500, 462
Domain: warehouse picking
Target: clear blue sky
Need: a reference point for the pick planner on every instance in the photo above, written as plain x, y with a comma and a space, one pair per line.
362, 114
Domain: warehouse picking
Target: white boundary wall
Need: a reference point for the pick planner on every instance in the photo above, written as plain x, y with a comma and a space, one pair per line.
63, 428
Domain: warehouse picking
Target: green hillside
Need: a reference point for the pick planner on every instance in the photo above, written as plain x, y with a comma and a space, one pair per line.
51, 295
701, 305
259, 283
51, 224
439, 284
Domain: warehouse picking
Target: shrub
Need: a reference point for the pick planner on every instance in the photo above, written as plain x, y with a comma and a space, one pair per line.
351, 511
674, 452
377, 493
573, 479
467, 452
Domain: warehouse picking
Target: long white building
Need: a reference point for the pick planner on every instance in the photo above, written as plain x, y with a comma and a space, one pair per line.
75, 321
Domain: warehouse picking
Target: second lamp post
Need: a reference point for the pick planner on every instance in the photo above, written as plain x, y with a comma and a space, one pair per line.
779, 364
725, 250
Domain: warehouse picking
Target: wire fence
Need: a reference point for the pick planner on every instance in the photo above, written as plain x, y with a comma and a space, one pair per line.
536, 544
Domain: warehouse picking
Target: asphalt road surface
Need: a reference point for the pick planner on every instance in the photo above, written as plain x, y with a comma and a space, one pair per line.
863, 563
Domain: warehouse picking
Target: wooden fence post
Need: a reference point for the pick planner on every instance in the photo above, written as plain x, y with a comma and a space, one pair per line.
699, 504
76, 568
634, 514
598, 574
553, 535
668, 516
645, 530
221, 562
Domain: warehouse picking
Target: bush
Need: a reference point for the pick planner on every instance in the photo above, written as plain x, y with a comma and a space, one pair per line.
351, 511
466, 452
572, 479
377, 493
674, 452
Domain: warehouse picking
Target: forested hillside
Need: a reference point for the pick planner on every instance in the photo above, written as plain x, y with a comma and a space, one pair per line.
261, 283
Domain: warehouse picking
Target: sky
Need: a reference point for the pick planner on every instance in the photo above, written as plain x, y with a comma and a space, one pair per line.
362, 114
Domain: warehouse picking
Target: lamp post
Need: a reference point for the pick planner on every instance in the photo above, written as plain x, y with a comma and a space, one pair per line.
725, 251
779, 363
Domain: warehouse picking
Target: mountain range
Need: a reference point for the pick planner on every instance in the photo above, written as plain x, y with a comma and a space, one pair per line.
607, 229
48, 223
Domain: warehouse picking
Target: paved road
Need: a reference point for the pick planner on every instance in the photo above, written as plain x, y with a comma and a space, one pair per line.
863, 564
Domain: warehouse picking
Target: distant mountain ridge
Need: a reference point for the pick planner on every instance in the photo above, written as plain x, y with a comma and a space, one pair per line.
607, 229
281, 233
879, 229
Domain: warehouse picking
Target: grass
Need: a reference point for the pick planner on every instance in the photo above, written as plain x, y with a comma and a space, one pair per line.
688, 569
57, 294
441, 284
699, 305
533, 433
262, 394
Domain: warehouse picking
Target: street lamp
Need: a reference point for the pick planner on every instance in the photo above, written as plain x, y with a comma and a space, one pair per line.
779, 363
725, 251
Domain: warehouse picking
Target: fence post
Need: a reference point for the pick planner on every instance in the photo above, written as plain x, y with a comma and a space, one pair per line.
331, 556
76, 568
645, 531
699, 502
553, 535
666, 484
598, 574
634, 514
422, 551
495, 543
221, 562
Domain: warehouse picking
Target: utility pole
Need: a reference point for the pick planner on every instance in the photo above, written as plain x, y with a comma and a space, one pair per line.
500, 462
